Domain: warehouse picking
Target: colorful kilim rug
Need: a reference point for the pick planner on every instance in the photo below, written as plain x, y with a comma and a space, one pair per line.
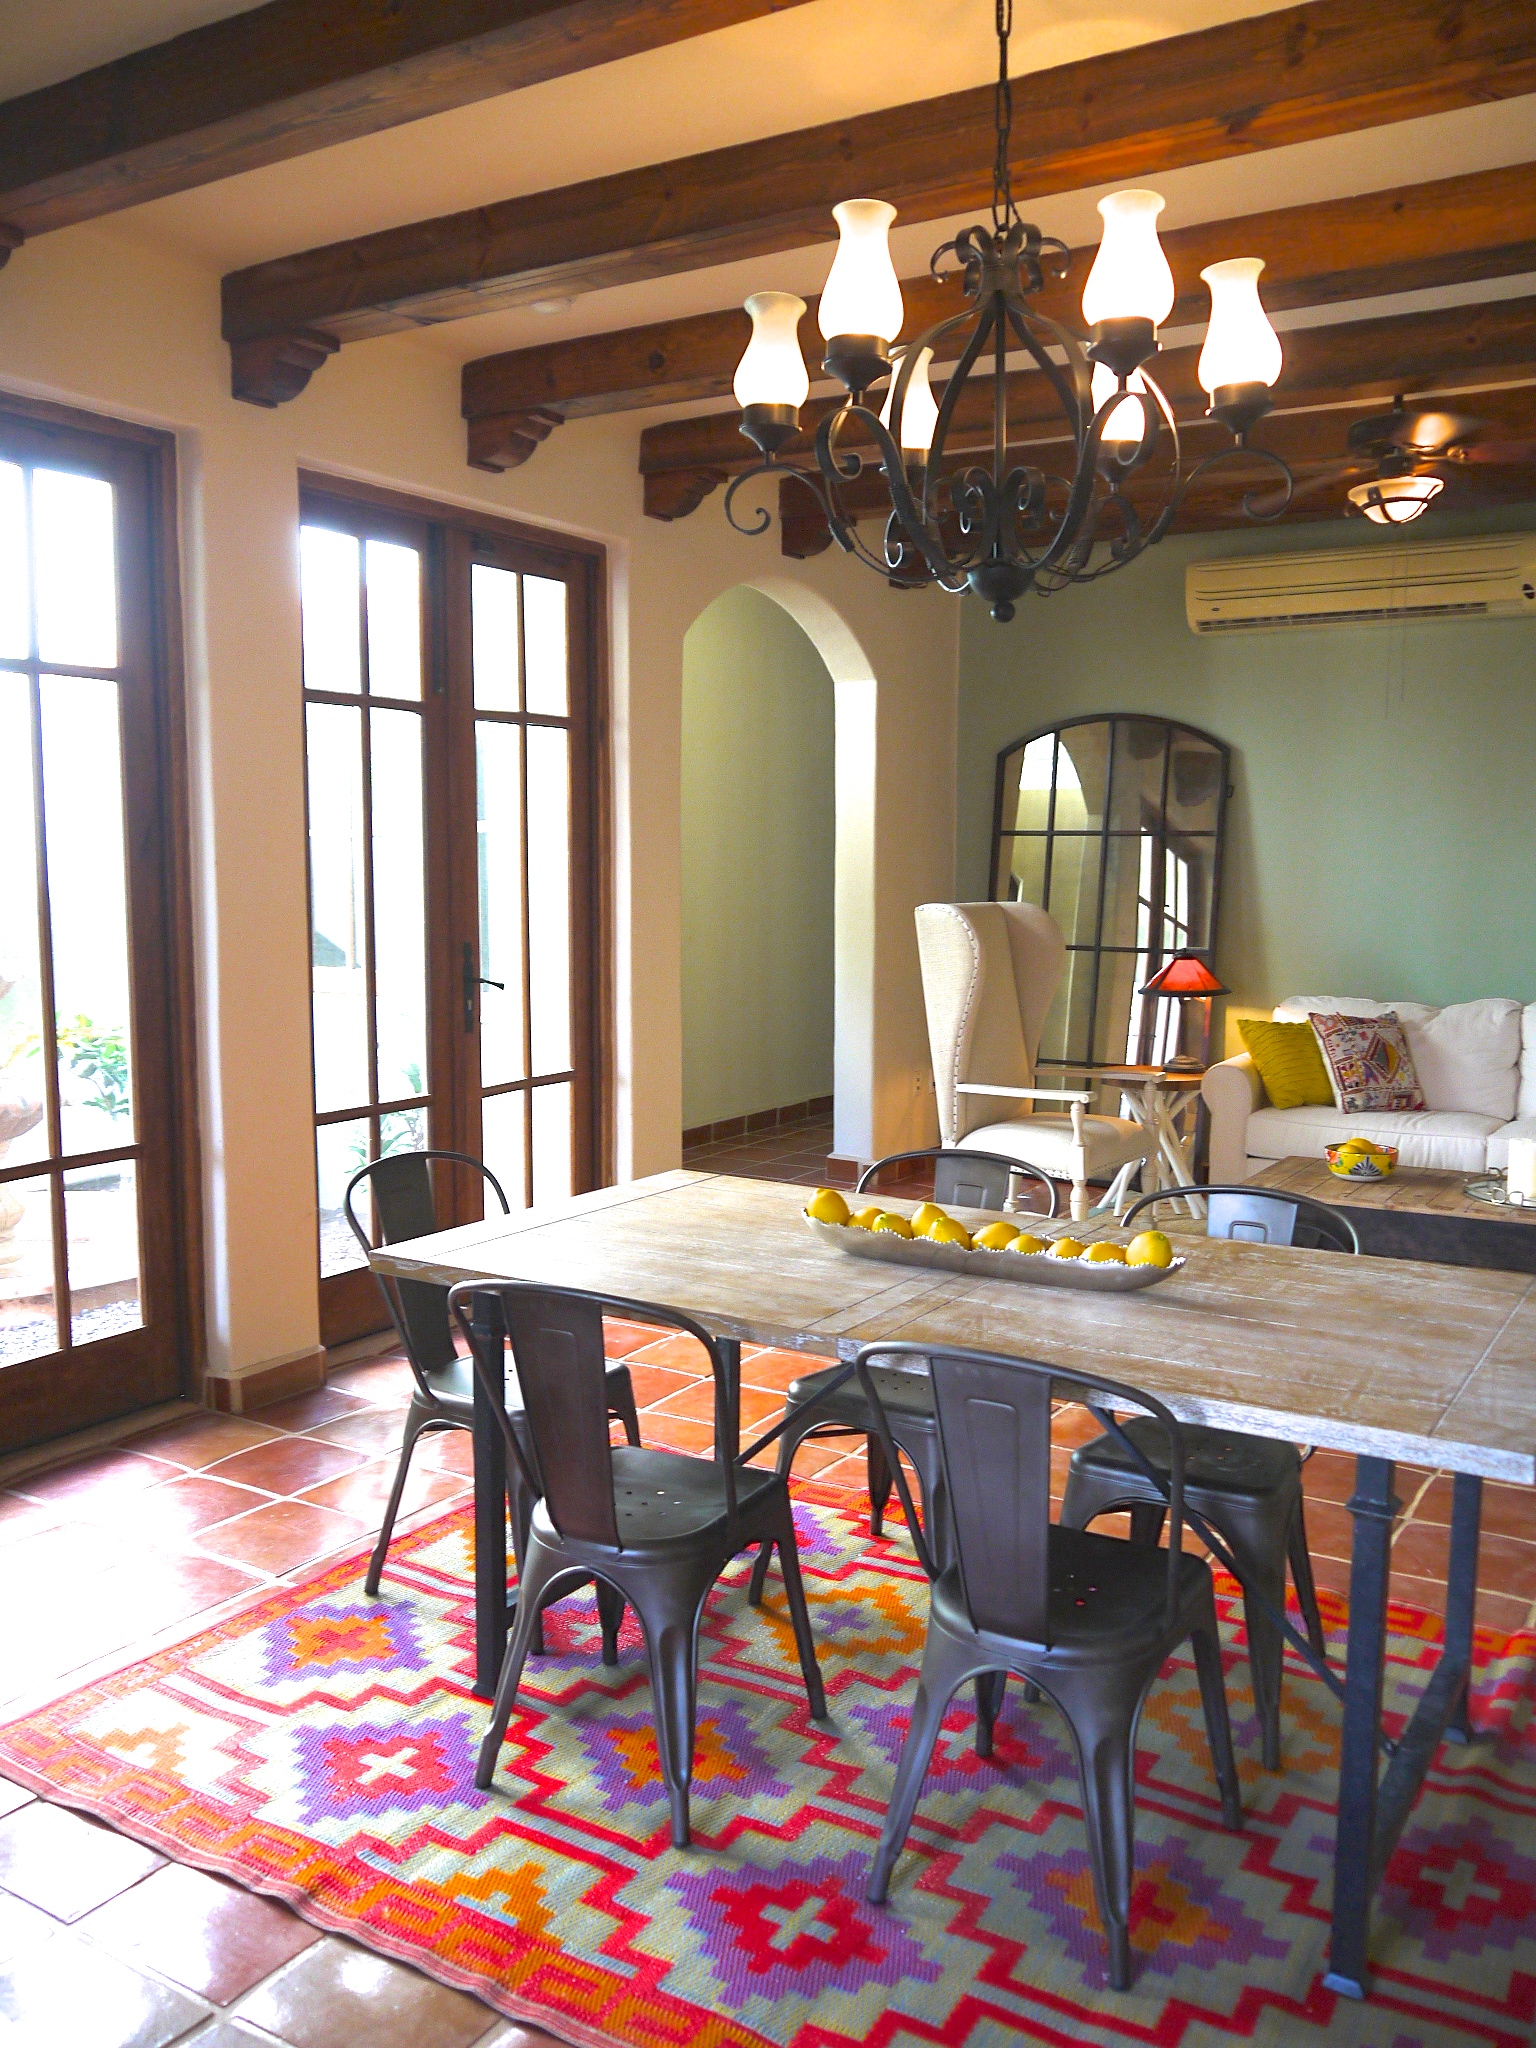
320, 1746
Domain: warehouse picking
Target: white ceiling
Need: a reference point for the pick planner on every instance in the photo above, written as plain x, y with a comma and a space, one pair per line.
811, 63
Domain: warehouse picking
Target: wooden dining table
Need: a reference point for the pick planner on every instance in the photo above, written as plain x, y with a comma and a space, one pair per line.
1386, 1359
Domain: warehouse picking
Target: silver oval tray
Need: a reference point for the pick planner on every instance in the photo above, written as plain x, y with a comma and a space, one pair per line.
1037, 1268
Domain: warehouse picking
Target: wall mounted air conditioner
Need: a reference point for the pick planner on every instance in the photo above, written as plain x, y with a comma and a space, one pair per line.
1444, 579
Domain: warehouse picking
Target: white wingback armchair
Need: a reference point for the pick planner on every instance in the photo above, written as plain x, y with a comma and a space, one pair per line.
990, 971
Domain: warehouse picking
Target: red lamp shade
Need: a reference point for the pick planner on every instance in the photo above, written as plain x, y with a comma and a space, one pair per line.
1186, 974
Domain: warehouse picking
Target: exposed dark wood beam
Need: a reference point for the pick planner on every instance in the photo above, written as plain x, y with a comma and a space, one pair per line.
1314, 444
1355, 359
1325, 68
298, 75
1452, 231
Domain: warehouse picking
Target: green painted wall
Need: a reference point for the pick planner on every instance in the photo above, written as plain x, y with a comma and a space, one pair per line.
1382, 834
758, 823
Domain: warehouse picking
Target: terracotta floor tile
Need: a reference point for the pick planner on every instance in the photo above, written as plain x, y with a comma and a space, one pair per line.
365, 1492
758, 1407
1331, 1572
20, 1518
208, 1936
228, 2033
1072, 1425
185, 1505
1501, 1613
304, 1411
818, 1454
1330, 1529
653, 1383
621, 1338
12, 1796
337, 1995
1419, 1592
682, 1353
22, 1927
1328, 1475
1421, 1548
775, 1369
177, 1588
1507, 1510
281, 1536
384, 1382
846, 1474
66, 1865
106, 1475
68, 1992
1506, 1565
205, 1439
367, 1429
677, 1433
289, 1464
446, 1450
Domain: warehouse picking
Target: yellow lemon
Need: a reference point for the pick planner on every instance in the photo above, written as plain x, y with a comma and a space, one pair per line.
867, 1218
827, 1206
898, 1226
996, 1237
1024, 1242
1105, 1255
1151, 1248
924, 1218
1357, 1145
1066, 1248
948, 1231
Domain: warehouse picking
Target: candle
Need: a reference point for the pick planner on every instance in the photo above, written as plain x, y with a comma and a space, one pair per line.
1522, 1169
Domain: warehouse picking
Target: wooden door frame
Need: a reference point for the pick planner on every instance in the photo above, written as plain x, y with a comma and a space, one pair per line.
457, 527
161, 576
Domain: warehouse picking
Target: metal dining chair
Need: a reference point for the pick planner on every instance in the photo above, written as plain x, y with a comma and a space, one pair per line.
1247, 1487
816, 1407
1088, 1620
443, 1397
658, 1527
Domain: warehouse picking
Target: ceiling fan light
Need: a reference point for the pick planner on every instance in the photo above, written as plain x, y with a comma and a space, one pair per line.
1128, 422
1394, 500
1130, 278
772, 371
919, 412
863, 292
1241, 347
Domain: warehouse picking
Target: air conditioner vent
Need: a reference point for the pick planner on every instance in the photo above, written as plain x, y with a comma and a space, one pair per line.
1454, 579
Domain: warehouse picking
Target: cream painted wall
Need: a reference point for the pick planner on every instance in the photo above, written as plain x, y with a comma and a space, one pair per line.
759, 837
95, 318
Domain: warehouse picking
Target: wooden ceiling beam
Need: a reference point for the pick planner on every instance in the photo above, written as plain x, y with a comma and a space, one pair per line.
299, 75
1328, 67
1452, 231
1354, 359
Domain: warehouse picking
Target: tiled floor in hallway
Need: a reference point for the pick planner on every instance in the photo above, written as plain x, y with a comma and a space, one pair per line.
103, 1945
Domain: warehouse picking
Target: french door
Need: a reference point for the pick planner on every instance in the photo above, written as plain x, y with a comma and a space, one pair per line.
451, 722
97, 1177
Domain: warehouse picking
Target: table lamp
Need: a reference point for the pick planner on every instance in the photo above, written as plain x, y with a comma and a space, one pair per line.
1186, 974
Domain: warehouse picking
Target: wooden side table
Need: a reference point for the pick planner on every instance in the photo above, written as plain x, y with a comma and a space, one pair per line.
1160, 1099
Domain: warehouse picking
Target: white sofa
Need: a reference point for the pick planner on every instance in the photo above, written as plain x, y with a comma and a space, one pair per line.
1476, 1064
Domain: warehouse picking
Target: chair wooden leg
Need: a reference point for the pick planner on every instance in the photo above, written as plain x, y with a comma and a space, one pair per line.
416, 1420
945, 1666
805, 1642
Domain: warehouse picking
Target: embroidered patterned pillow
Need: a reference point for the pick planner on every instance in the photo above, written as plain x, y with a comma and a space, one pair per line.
1368, 1062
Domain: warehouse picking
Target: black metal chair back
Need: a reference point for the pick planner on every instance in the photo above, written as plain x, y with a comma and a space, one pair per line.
403, 1202
556, 1335
994, 1422
971, 1180
1263, 1216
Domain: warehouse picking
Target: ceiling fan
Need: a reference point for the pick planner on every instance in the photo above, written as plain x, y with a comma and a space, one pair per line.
1404, 457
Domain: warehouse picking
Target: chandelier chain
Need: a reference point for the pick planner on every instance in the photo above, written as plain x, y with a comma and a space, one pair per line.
1002, 190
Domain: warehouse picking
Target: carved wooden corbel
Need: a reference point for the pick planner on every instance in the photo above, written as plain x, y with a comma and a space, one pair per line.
10, 238
674, 493
803, 528
271, 371
505, 440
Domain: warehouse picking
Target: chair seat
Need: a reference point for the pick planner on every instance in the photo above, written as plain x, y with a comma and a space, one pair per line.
1216, 1460
665, 1497
906, 1395
1100, 1586
1046, 1141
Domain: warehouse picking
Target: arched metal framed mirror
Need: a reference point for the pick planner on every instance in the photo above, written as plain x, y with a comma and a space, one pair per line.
1114, 824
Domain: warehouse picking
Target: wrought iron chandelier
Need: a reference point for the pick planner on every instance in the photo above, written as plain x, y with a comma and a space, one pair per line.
1005, 527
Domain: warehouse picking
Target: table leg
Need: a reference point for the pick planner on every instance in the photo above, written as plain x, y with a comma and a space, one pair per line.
1373, 1506
1461, 1594
490, 1534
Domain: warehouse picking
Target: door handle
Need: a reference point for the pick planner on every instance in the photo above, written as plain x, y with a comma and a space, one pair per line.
473, 982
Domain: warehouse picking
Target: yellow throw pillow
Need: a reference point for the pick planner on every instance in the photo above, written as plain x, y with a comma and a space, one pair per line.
1289, 1060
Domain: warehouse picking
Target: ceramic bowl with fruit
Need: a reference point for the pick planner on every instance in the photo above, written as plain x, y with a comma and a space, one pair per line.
1361, 1159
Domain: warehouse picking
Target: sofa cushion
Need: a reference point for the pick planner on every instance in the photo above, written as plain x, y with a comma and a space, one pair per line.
1289, 1059
1369, 1063
1468, 1056
1498, 1144
1454, 1140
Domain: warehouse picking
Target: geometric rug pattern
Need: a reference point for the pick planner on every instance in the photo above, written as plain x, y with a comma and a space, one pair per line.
320, 1747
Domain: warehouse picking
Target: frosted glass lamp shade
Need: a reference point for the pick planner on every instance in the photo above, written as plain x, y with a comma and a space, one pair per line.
1241, 347
772, 371
1394, 500
919, 413
1128, 422
1130, 278
863, 293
